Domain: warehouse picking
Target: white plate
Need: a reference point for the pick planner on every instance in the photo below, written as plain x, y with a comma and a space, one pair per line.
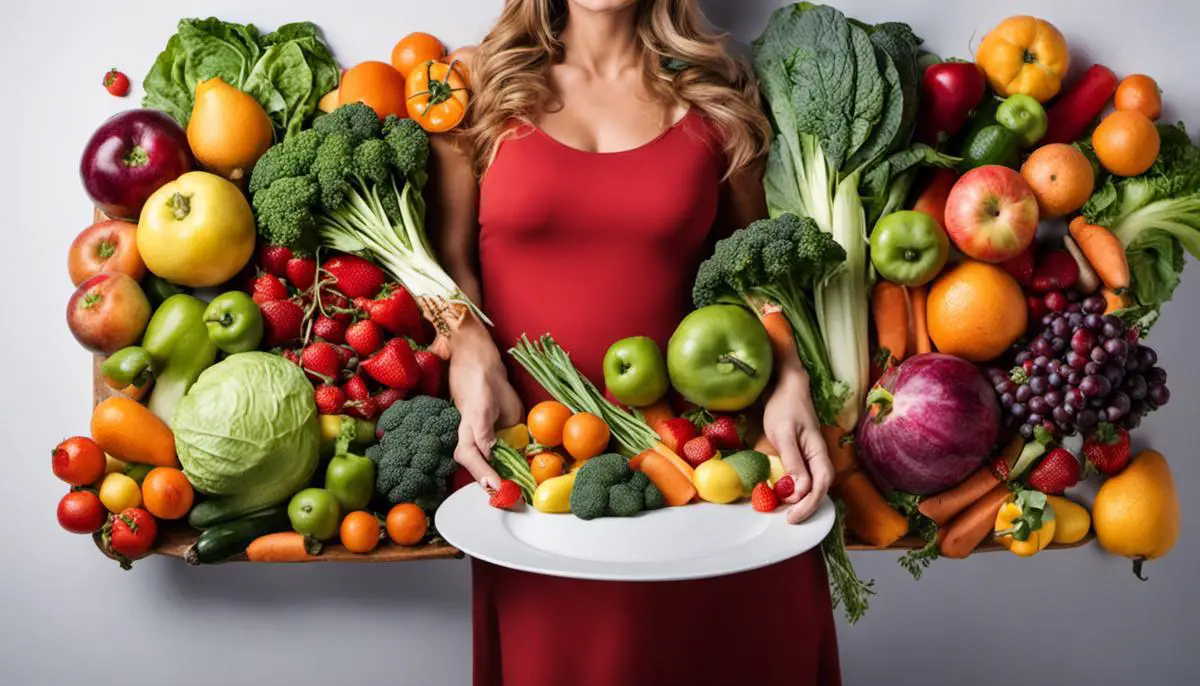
693, 542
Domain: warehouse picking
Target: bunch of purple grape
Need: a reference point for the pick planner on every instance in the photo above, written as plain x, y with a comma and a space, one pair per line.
1082, 368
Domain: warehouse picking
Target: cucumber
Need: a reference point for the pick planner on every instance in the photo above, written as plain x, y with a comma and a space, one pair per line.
221, 509
223, 541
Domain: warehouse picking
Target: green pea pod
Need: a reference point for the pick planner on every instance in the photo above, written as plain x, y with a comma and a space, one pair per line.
130, 366
993, 144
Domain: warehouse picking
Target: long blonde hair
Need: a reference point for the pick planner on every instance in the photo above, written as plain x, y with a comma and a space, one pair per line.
686, 63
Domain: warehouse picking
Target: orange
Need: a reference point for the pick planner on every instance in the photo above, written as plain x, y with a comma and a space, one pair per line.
360, 532
416, 49
378, 85
406, 524
1061, 178
1126, 143
546, 465
1139, 93
167, 493
546, 421
975, 311
585, 436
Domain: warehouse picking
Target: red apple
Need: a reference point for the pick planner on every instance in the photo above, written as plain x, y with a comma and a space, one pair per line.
108, 312
106, 246
991, 213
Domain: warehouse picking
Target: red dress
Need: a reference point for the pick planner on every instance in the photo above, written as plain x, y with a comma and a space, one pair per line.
591, 248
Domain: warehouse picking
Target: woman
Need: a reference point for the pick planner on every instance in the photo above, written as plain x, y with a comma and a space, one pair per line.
612, 142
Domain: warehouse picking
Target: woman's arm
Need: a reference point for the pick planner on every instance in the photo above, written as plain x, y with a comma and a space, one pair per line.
478, 381
789, 418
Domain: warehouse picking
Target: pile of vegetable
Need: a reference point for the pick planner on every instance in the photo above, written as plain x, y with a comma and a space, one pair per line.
970, 364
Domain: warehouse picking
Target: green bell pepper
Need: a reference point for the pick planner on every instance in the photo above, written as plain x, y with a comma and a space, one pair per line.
175, 349
234, 322
350, 478
158, 289
1025, 117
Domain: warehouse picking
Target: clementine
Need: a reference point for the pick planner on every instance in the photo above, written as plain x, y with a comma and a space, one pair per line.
975, 311
1126, 142
378, 85
1139, 93
1061, 178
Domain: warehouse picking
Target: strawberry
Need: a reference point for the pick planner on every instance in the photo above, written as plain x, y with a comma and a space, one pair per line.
301, 272
698, 450
282, 322
291, 355
388, 397
433, 372
506, 497
723, 432
349, 358
1058, 471
329, 329
268, 288
1056, 271
354, 276
1021, 266
1001, 468
330, 399
1037, 307
1107, 449
394, 366
116, 83
321, 361
676, 432
785, 487
365, 337
396, 312
366, 409
763, 498
356, 388
273, 259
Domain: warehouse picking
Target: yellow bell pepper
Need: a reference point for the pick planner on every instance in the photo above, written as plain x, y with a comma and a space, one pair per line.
1024, 55
1025, 523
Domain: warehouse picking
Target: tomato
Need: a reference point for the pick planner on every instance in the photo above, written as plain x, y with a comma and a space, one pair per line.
167, 493
133, 533
360, 532
585, 436
1024, 55
406, 524
546, 421
377, 84
416, 49
78, 461
119, 492
436, 96
546, 465
81, 512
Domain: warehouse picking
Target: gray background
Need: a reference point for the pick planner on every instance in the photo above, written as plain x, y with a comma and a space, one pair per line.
69, 616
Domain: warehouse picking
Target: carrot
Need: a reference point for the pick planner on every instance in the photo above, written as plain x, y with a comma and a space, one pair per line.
683, 467
779, 332
286, 546
932, 200
889, 309
677, 489
1104, 251
841, 453
1113, 301
918, 299
129, 432
942, 507
658, 412
868, 515
966, 531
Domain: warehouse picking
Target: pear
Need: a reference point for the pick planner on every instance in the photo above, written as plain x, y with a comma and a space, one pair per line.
228, 130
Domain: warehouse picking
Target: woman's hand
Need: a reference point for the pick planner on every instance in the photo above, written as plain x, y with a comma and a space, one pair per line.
484, 397
790, 423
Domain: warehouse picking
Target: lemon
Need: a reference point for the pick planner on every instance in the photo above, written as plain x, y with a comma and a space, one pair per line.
717, 482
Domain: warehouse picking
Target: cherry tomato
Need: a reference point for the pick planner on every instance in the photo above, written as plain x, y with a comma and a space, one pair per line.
78, 461
436, 96
360, 532
119, 492
81, 512
133, 533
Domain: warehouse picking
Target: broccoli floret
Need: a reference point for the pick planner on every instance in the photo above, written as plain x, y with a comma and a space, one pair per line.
356, 120
606, 487
410, 145
283, 212
415, 455
776, 263
290, 158
333, 167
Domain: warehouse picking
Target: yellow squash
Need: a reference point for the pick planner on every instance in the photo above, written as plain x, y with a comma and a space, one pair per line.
1136, 512
1024, 55
197, 231
553, 496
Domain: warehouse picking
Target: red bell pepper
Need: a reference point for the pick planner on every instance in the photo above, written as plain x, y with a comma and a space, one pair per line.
1076, 109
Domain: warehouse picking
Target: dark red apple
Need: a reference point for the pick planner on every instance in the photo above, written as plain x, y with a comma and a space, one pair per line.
129, 157
108, 312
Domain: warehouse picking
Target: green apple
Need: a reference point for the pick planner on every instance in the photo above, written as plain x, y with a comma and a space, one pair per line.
720, 358
315, 511
635, 371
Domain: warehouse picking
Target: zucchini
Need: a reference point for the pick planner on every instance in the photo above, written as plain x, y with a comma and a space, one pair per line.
223, 541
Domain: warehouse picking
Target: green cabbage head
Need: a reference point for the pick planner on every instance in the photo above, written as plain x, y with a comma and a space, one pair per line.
247, 433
